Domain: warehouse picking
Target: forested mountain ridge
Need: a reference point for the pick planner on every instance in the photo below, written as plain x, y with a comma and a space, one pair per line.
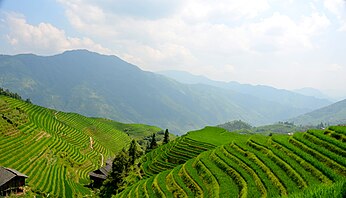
106, 86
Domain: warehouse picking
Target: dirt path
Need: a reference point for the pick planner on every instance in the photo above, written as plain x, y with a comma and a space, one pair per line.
56, 113
91, 143
101, 160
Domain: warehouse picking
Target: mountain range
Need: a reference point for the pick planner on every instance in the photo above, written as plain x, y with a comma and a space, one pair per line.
106, 86
281, 96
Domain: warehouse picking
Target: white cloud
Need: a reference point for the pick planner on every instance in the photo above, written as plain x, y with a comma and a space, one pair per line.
280, 33
342, 27
44, 38
334, 68
82, 15
222, 10
199, 25
338, 8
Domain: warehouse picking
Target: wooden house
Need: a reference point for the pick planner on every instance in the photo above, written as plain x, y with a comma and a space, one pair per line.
100, 175
11, 181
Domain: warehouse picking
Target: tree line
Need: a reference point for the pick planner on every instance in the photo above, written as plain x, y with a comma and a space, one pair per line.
126, 168
6, 92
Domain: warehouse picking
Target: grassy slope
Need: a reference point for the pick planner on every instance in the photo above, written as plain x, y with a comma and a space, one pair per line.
139, 132
332, 114
251, 165
53, 148
214, 135
136, 131
239, 126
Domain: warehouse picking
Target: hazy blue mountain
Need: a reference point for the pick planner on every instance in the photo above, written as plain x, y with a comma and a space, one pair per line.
333, 114
268, 93
308, 91
106, 86
188, 78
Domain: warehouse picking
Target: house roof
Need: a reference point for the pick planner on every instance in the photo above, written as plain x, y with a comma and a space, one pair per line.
100, 176
104, 172
106, 169
6, 174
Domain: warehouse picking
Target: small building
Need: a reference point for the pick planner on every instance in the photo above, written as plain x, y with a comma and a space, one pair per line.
100, 175
11, 181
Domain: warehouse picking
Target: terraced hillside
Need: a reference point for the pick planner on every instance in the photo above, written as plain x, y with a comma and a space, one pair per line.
313, 162
172, 154
55, 149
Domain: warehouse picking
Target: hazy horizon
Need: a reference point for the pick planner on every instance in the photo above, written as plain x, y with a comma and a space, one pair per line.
288, 45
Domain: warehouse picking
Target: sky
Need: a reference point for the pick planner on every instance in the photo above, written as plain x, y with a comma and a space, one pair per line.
287, 44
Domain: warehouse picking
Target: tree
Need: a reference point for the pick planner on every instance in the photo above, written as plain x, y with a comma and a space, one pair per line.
134, 152
28, 101
153, 143
114, 184
166, 137
320, 126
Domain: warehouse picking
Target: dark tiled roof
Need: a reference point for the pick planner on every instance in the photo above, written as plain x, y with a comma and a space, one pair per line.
103, 172
109, 161
6, 174
16, 172
101, 176
106, 169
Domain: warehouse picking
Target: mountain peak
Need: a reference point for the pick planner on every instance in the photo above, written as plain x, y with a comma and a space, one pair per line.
74, 51
77, 52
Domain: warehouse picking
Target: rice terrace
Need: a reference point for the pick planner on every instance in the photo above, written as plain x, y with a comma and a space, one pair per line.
53, 149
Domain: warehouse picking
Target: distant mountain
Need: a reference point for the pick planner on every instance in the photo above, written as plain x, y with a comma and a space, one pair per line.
188, 78
308, 91
268, 93
333, 114
106, 86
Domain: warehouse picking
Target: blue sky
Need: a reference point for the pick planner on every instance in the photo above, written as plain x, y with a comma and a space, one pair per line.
287, 44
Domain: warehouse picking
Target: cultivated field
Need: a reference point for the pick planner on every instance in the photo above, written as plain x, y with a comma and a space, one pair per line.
56, 150
215, 163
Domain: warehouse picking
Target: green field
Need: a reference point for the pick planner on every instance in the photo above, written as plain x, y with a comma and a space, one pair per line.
54, 148
215, 163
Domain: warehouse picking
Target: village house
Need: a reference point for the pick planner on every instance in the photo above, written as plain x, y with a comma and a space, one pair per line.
100, 175
11, 181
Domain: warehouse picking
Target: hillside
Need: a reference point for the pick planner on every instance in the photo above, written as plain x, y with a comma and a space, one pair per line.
239, 126
281, 96
55, 149
309, 164
106, 86
331, 115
